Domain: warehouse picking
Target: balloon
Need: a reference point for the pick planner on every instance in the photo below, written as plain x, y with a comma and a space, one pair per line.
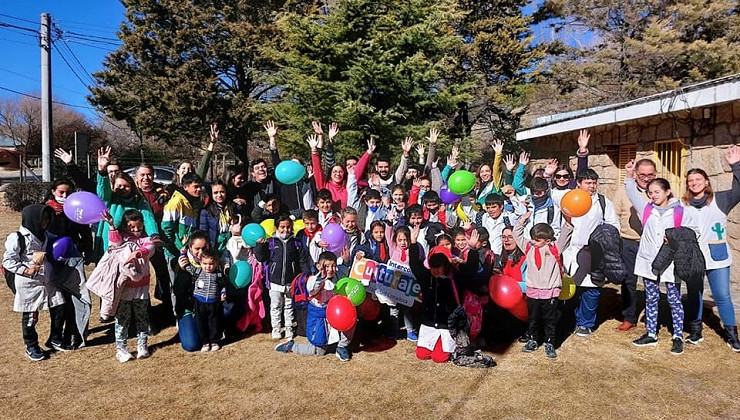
62, 248
520, 310
337, 247
341, 313
269, 226
333, 234
505, 291
369, 310
84, 208
353, 289
461, 214
575, 203
298, 226
461, 182
447, 196
240, 274
187, 329
569, 288
289, 172
252, 232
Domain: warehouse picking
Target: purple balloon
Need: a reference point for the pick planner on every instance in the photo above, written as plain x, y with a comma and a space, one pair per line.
337, 247
333, 234
447, 196
62, 248
84, 208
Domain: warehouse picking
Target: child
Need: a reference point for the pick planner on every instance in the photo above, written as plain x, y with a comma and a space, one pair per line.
398, 204
495, 219
544, 279
285, 258
182, 286
370, 210
25, 258
208, 292
312, 227
318, 331
324, 203
133, 250
375, 246
270, 208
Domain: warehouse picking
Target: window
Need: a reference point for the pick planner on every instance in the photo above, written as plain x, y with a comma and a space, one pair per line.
626, 154
669, 160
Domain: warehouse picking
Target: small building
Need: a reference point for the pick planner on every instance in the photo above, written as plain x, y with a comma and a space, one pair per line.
686, 128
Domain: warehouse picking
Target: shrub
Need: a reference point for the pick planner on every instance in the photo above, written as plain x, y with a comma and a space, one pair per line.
21, 194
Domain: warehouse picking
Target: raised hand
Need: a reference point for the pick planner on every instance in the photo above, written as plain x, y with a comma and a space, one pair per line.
630, 169
551, 167
454, 154
415, 233
406, 145
214, 133
524, 158
510, 162
420, 149
371, 145
498, 146
103, 158
64, 155
473, 239
466, 224
523, 218
317, 128
583, 138
107, 218
732, 155
333, 131
271, 129
313, 142
433, 135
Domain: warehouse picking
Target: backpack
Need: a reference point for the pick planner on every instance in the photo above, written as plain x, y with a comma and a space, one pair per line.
299, 291
9, 275
677, 215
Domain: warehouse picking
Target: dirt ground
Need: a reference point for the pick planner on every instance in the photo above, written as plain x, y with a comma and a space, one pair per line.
603, 376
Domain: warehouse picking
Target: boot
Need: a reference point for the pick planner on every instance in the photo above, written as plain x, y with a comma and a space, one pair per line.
695, 328
732, 340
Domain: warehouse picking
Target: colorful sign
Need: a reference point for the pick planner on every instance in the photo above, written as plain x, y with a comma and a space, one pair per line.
393, 280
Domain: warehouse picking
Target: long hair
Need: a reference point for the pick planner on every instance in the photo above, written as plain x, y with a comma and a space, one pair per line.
515, 255
707, 190
228, 207
135, 192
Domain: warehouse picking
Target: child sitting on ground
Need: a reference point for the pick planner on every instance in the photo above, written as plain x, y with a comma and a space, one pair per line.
318, 331
208, 292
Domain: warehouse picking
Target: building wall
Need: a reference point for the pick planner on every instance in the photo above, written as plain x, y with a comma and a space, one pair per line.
714, 130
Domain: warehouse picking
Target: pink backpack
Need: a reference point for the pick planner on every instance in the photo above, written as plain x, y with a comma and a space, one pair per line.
677, 215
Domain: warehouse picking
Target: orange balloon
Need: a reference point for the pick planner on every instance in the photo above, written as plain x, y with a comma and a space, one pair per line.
576, 203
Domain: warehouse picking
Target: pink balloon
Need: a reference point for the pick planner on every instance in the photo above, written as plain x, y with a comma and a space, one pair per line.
84, 208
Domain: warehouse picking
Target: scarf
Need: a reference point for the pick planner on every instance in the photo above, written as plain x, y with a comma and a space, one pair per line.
699, 202
58, 207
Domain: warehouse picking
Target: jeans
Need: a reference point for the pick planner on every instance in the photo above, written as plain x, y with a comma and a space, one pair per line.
586, 311
629, 287
719, 283
208, 316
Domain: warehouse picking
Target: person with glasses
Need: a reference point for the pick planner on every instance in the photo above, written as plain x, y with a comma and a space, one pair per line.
561, 176
630, 231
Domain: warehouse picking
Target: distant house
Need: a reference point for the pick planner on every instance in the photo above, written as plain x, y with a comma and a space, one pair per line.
681, 129
9, 155
7, 142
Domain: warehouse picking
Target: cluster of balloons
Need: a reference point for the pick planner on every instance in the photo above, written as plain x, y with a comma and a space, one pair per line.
341, 312
507, 293
84, 208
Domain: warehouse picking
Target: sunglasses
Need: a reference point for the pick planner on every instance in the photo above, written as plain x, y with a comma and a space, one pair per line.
562, 176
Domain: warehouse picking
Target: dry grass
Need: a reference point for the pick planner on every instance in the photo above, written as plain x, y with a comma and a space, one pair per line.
600, 377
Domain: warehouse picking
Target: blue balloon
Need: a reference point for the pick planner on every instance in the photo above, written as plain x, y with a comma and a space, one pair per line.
252, 232
289, 172
240, 274
187, 329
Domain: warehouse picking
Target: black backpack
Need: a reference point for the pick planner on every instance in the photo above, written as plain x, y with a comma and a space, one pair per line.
9, 275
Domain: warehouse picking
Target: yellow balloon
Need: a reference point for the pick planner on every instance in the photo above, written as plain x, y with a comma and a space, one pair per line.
269, 226
569, 288
461, 214
298, 226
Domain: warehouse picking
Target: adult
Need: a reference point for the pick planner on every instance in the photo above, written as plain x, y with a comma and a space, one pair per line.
489, 177
630, 230
511, 262
577, 257
561, 176
713, 208
337, 182
216, 217
75, 173
296, 197
237, 190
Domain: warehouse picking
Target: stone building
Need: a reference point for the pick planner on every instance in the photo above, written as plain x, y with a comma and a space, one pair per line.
681, 129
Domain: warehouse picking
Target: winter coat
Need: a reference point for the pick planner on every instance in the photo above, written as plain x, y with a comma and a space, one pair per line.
111, 275
285, 259
217, 227
180, 219
439, 299
684, 252
605, 245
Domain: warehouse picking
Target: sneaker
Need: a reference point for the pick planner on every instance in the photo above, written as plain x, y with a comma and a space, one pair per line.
205, 348
53, 345
550, 351
583, 331
142, 352
286, 347
343, 354
530, 346
523, 339
35, 353
123, 355
677, 347
695, 338
106, 319
625, 326
412, 336
276, 335
646, 340
215, 347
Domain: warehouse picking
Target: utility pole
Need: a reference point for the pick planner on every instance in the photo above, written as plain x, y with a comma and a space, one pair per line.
46, 133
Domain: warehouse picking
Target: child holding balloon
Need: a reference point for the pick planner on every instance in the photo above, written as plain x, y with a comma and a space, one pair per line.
319, 331
208, 293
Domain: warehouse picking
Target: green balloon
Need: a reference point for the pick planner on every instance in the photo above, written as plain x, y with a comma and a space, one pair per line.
461, 182
352, 289
240, 274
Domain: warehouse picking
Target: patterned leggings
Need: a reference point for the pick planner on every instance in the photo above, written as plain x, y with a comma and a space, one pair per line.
652, 295
140, 310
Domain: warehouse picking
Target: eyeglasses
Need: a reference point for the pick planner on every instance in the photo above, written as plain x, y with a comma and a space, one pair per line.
507, 238
646, 176
562, 176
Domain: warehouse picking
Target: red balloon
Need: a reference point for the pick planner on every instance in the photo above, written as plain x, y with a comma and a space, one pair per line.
341, 313
369, 309
505, 291
576, 203
520, 310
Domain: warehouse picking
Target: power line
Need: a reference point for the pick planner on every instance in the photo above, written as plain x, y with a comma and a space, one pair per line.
37, 80
59, 52
17, 18
87, 24
19, 42
72, 41
23, 28
36, 97
78, 62
94, 36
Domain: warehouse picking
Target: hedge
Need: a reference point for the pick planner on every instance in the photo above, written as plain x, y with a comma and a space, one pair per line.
21, 194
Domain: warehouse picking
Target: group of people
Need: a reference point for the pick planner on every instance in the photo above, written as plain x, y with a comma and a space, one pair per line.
511, 224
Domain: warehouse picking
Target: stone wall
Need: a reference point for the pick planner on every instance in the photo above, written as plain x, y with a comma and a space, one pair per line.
714, 130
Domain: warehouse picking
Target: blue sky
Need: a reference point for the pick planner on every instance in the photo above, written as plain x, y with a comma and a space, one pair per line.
88, 29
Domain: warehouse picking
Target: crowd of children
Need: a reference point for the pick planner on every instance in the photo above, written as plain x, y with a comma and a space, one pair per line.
510, 225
